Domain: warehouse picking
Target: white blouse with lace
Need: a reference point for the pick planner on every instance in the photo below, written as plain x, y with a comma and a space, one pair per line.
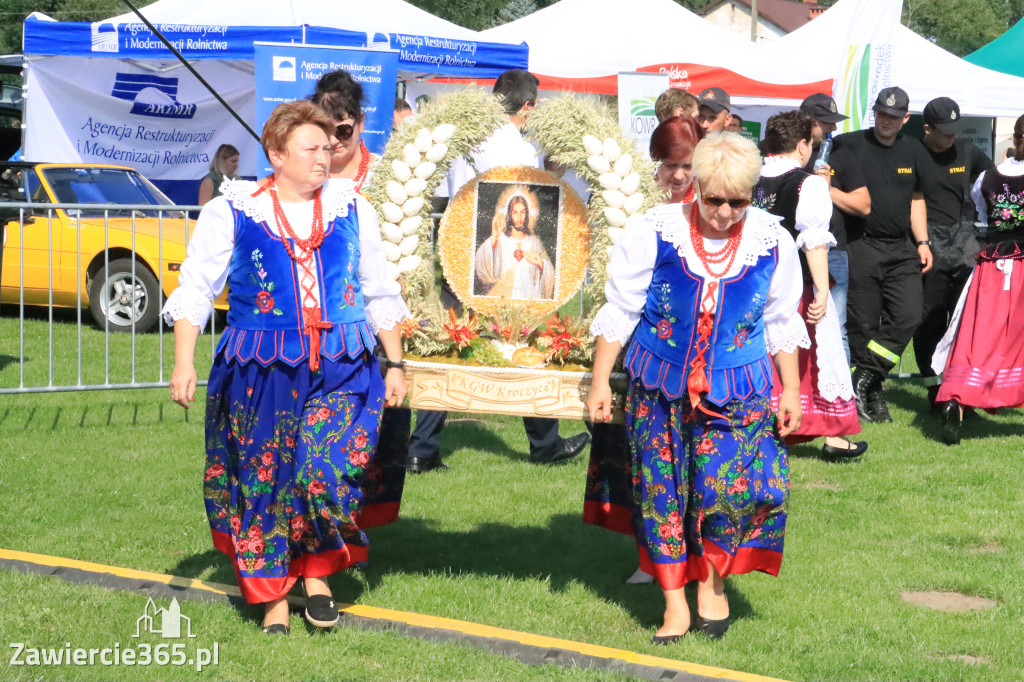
634, 256
813, 209
813, 214
208, 256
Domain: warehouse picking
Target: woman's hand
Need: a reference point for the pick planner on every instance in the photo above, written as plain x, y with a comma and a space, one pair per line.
599, 402
183, 383
815, 312
789, 411
395, 387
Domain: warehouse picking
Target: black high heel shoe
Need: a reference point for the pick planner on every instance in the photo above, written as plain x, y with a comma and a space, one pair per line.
665, 640
321, 610
712, 629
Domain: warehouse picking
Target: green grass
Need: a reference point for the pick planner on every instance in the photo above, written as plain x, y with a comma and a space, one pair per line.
114, 477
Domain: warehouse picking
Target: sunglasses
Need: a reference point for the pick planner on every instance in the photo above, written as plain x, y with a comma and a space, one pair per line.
344, 131
718, 202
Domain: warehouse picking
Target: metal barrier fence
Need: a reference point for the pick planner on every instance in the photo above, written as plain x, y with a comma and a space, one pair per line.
124, 255
128, 259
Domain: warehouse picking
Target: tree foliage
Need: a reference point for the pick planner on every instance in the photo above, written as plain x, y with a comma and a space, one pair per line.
15, 11
515, 9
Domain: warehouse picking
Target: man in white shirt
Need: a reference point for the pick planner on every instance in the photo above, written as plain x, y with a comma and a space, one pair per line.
505, 147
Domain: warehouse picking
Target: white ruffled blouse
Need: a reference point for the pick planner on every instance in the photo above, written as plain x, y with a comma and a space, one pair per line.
813, 209
632, 266
208, 255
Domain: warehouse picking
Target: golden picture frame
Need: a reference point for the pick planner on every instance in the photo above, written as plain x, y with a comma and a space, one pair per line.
515, 236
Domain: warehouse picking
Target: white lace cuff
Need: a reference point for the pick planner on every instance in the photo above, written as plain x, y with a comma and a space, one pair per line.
614, 324
187, 303
786, 336
384, 312
812, 239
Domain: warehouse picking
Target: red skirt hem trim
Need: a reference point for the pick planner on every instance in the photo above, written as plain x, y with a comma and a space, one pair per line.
260, 590
675, 575
613, 517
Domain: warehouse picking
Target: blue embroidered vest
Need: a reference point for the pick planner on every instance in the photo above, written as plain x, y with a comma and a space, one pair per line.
265, 320
665, 340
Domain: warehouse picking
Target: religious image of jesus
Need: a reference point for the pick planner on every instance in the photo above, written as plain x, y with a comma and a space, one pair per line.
512, 262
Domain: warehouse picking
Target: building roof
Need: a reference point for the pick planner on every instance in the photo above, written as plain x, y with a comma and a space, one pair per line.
788, 15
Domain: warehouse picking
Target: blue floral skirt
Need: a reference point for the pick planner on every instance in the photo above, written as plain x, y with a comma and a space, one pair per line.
290, 472
703, 487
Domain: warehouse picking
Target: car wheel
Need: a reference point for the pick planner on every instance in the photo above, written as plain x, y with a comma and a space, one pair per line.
118, 297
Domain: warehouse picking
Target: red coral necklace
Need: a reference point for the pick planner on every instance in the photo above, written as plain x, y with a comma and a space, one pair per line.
316, 237
712, 259
364, 166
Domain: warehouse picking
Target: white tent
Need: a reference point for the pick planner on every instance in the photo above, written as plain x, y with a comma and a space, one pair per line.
582, 45
394, 16
920, 67
111, 92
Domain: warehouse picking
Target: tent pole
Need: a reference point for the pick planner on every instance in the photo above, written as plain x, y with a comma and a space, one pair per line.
753, 21
189, 66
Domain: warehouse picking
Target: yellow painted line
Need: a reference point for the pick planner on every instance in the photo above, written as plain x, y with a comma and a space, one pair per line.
414, 619
173, 580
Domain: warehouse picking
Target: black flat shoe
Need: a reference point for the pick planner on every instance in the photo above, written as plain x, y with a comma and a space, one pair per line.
421, 465
853, 450
277, 629
321, 610
712, 629
951, 422
566, 450
665, 640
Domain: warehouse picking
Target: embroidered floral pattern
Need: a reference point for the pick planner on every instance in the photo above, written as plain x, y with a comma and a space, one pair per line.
746, 325
1007, 209
764, 201
264, 298
288, 480
664, 327
698, 478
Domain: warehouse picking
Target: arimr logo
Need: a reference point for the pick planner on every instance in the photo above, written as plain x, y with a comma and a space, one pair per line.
104, 38
151, 95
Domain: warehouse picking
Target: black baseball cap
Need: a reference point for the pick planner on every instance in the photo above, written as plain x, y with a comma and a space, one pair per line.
893, 101
716, 98
943, 114
822, 107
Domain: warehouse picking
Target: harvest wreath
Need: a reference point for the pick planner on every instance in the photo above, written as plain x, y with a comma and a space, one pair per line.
501, 328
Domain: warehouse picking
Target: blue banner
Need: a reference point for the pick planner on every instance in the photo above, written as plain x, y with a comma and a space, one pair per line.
417, 54
285, 73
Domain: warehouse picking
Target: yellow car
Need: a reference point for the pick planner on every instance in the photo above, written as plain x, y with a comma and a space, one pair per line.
119, 278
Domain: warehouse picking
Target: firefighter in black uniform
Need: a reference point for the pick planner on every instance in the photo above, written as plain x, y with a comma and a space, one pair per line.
886, 258
953, 167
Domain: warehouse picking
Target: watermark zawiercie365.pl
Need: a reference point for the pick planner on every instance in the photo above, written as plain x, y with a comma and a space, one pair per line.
167, 623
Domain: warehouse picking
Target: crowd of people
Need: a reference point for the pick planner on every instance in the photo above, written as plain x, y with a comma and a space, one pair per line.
728, 306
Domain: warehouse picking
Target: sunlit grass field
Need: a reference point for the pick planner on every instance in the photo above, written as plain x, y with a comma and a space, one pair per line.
114, 477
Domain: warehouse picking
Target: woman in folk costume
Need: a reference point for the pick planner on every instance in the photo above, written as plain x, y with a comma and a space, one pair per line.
295, 393
341, 96
609, 475
712, 290
981, 356
803, 203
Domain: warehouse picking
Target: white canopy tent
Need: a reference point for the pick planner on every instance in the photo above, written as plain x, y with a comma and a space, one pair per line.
582, 45
920, 67
393, 16
87, 84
